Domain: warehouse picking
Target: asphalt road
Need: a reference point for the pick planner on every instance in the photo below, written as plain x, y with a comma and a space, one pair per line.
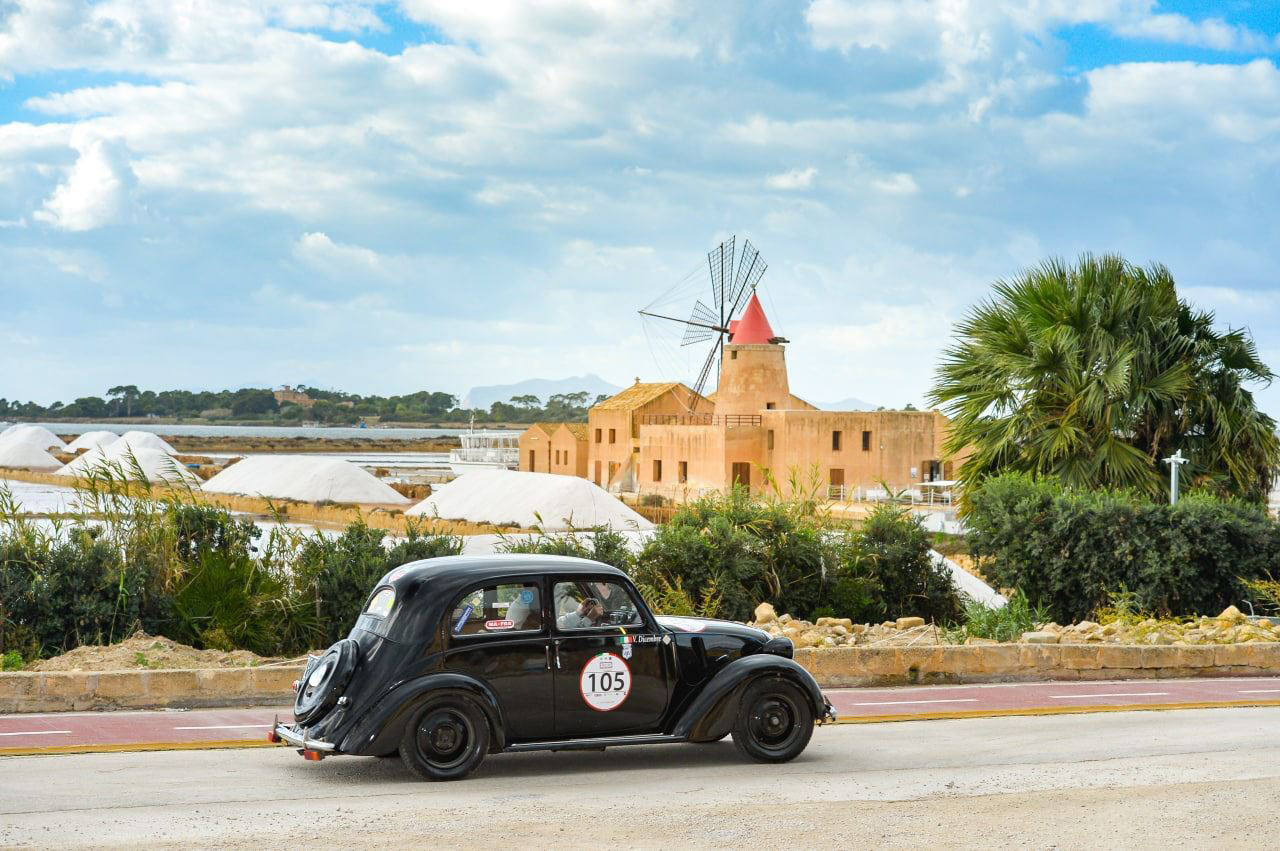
67, 732
1204, 778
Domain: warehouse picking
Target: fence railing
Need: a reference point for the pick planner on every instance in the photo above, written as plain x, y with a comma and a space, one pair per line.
727, 420
922, 496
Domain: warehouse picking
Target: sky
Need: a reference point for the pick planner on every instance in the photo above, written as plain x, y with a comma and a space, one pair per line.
392, 197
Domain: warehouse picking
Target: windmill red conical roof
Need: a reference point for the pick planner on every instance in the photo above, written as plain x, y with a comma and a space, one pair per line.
753, 327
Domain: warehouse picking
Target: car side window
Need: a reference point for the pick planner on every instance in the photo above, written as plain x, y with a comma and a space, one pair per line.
497, 609
590, 603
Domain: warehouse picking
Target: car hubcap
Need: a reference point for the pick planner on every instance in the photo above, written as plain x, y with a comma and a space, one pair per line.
773, 722
445, 737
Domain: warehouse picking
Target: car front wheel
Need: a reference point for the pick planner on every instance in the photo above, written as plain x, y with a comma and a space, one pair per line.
446, 740
774, 721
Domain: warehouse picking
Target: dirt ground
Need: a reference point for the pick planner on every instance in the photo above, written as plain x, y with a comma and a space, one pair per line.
141, 651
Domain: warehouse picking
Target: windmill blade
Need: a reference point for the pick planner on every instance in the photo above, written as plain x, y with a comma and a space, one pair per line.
720, 262
701, 326
751, 268
705, 374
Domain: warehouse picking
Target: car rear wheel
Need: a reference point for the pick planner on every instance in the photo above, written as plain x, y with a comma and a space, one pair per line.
447, 739
775, 721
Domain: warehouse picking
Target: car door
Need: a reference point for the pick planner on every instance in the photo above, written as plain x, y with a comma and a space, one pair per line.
613, 671
498, 633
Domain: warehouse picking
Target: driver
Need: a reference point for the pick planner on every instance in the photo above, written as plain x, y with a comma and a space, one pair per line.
588, 614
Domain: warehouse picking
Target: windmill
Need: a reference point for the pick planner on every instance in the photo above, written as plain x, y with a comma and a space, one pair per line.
731, 286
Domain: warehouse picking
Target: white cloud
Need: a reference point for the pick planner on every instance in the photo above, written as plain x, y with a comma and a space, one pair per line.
896, 184
797, 178
337, 260
95, 189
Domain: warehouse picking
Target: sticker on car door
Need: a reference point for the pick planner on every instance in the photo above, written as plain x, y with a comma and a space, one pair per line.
605, 682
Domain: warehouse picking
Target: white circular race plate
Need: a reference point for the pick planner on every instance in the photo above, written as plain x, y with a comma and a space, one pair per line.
605, 682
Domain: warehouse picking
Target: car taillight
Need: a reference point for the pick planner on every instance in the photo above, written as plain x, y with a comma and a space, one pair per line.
313, 756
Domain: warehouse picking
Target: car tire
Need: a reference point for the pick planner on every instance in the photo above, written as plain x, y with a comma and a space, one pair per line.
775, 721
445, 740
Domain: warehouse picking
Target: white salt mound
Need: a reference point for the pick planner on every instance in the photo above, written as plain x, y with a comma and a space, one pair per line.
140, 440
20, 455
90, 439
38, 435
304, 478
546, 500
155, 465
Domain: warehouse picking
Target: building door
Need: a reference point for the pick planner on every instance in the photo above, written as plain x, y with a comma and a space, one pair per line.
932, 471
741, 473
598, 474
533, 461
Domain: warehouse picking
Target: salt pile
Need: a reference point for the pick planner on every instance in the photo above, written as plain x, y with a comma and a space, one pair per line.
546, 500
90, 439
39, 435
303, 478
23, 455
155, 466
141, 440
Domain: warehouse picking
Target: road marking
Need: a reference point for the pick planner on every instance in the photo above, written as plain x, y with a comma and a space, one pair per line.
38, 733
228, 727
1111, 694
1259, 691
904, 702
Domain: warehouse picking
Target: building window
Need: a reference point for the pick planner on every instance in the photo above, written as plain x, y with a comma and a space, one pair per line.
866, 441
657, 470
835, 440
613, 435
837, 476
769, 439
769, 406
597, 435
733, 355
682, 471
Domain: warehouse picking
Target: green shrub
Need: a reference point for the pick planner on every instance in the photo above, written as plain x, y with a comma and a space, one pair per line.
1069, 550
602, 544
750, 549
1004, 624
340, 572
11, 661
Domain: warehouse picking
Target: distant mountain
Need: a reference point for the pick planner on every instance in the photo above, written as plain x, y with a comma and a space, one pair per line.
543, 388
850, 404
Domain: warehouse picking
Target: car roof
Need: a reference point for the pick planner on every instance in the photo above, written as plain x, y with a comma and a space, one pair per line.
453, 570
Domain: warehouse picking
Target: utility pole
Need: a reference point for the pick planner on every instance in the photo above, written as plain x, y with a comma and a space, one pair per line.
1175, 461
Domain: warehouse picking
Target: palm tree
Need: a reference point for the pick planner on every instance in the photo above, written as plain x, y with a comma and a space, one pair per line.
1094, 373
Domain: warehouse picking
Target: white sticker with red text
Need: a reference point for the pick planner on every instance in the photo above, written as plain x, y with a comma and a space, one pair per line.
495, 625
605, 682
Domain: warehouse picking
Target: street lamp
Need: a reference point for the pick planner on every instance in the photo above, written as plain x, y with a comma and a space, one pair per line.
1174, 461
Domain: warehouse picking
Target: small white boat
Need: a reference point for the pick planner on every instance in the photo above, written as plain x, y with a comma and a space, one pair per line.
486, 450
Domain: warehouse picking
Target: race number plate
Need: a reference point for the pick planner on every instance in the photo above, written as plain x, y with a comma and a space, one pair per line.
605, 682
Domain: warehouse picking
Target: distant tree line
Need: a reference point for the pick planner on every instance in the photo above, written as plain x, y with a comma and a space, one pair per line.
332, 407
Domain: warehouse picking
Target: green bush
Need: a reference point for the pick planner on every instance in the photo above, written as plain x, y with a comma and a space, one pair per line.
1006, 623
748, 549
341, 572
602, 544
1069, 550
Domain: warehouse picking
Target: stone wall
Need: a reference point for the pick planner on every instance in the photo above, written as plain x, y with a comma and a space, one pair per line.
834, 667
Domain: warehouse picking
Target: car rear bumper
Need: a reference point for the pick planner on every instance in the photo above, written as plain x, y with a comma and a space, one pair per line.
298, 738
828, 712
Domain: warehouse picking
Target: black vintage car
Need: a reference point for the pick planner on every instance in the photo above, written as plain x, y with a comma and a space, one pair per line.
455, 658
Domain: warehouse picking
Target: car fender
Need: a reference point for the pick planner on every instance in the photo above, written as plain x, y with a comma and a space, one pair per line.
379, 730
711, 714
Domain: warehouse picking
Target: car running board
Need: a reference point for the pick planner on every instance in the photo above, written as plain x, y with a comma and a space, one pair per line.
595, 744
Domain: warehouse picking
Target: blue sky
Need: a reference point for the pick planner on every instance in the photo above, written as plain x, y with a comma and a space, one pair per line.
387, 197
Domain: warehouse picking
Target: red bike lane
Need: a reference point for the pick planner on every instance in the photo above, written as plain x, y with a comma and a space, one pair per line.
84, 732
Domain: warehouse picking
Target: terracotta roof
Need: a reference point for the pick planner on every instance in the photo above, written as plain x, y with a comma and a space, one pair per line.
546, 428
753, 327
637, 395
578, 430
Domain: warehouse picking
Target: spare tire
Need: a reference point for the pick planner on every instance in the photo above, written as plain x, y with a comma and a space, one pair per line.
324, 681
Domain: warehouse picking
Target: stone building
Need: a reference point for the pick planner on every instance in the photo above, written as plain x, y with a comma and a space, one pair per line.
652, 438
555, 448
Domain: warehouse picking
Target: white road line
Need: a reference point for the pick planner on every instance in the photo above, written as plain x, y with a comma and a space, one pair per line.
227, 727
1111, 694
39, 733
902, 702
1259, 691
